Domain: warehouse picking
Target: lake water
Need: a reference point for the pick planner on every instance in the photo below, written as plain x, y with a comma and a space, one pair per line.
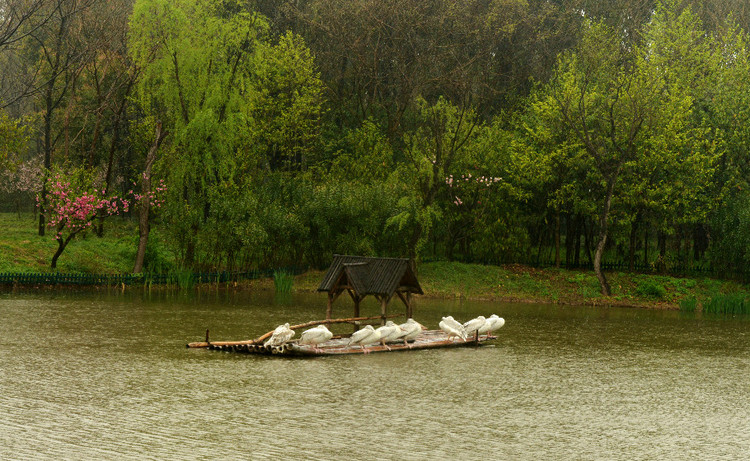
107, 376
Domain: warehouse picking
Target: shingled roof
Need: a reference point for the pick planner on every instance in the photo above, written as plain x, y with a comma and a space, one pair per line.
371, 276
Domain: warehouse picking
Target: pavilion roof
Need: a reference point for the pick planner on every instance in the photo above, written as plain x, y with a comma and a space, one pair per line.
367, 275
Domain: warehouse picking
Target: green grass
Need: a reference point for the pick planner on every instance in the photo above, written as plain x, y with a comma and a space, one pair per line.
23, 250
520, 283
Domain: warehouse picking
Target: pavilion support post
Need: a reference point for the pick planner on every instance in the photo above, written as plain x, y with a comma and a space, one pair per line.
357, 299
406, 299
329, 308
383, 309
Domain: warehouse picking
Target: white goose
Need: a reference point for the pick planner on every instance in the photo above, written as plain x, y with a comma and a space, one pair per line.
389, 332
452, 331
495, 323
485, 328
410, 330
365, 336
315, 336
455, 324
280, 335
473, 325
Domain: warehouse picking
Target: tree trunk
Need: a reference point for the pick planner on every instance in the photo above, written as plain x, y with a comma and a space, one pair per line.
47, 148
557, 239
577, 251
570, 232
112, 148
633, 241
587, 240
61, 244
145, 206
540, 241
603, 223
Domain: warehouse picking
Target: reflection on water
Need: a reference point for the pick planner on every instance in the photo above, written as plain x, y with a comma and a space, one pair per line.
97, 376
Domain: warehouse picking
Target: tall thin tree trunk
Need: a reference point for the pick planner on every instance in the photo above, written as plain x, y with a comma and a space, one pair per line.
633, 241
557, 238
47, 147
145, 206
587, 231
603, 228
577, 251
113, 148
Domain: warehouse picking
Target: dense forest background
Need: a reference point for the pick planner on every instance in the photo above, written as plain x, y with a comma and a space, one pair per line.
569, 132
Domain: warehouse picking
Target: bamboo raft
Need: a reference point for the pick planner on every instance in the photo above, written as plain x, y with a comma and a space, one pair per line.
338, 345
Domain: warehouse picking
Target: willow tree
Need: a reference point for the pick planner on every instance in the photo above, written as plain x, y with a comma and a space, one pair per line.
222, 90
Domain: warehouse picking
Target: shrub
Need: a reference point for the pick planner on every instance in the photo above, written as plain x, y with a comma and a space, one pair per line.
650, 289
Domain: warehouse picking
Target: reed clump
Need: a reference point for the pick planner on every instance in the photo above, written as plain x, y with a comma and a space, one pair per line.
283, 281
727, 304
688, 304
184, 278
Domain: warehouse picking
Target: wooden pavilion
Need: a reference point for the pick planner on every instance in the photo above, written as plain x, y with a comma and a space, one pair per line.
361, 276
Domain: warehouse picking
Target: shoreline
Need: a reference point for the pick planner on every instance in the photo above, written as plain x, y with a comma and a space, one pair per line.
502, 284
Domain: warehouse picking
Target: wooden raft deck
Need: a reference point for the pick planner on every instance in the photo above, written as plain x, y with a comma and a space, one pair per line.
428, 339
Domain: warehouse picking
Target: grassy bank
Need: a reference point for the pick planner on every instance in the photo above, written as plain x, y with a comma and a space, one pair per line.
526, 284
22, 250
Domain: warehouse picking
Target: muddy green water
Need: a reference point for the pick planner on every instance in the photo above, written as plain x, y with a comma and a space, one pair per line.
107, 376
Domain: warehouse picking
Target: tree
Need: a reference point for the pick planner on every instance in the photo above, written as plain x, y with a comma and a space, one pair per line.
147, 199
13, 139
22, 183
74, 205
431, 150
58, 52
622, 107
235, 105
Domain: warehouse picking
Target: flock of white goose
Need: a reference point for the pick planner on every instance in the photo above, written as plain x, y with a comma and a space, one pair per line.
390, 332
478, 326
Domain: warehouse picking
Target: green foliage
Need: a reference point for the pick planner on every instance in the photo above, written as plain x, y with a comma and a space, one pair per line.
13, 138
441, 141
588, 285
350, 218
184, 278
237, 105
650, 289
282, 281
727, 304
688, 304
363, 153
731, 250
286, 106
159, 259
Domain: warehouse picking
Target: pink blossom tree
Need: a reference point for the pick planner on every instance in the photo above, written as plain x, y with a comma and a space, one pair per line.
73, 207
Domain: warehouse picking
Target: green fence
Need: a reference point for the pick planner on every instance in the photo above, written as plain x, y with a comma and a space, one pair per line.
80, 279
